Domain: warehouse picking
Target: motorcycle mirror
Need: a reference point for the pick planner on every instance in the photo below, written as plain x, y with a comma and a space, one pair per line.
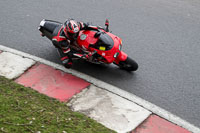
107, 22
107, 25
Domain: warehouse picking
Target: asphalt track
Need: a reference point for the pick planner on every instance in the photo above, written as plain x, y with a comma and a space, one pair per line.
162, 36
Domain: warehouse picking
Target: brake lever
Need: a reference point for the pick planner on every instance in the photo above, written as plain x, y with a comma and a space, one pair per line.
87, 56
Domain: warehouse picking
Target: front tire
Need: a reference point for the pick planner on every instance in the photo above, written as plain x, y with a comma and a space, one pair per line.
129, 64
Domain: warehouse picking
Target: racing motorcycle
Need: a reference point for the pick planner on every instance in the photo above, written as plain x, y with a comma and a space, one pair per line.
103, 46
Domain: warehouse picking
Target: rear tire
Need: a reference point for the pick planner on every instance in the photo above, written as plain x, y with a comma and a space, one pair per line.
129, 64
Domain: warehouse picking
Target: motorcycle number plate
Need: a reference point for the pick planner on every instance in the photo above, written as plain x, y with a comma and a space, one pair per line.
83, 37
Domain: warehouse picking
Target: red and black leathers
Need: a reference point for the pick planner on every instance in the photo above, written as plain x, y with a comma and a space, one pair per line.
62, 43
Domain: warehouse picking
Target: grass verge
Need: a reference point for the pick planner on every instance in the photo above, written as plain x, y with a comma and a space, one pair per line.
25, 110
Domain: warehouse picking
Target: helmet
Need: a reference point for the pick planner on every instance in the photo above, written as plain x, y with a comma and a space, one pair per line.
71, 29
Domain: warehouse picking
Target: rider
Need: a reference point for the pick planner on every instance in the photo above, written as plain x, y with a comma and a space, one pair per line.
66, 36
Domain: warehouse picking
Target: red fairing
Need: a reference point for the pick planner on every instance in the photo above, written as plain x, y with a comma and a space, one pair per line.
87, 38
85, 41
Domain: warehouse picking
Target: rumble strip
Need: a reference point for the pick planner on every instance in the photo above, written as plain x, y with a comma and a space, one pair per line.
107, 104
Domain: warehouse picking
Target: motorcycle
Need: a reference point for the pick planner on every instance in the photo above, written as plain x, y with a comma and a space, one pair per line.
103, 46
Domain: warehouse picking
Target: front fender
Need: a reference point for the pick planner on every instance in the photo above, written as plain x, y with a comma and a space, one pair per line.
121, 57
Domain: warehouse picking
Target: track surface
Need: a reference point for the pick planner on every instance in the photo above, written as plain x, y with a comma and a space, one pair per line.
162, 36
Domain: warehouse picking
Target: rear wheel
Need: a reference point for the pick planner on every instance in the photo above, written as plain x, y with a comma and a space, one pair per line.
129, 64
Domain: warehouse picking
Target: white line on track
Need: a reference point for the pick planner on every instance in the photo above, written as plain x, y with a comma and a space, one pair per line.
145, 104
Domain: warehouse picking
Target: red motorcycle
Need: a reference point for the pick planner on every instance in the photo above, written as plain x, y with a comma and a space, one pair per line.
104, 46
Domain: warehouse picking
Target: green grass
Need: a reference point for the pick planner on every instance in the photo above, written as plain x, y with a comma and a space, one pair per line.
25, 110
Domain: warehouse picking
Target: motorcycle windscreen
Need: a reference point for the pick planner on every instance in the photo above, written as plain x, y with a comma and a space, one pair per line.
105, 42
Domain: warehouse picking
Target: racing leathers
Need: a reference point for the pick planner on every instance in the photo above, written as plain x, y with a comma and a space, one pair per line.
62, 43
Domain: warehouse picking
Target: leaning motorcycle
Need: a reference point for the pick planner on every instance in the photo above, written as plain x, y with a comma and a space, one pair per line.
104, 46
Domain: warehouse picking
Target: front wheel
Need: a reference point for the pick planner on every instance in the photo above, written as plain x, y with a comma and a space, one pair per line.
129, 64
